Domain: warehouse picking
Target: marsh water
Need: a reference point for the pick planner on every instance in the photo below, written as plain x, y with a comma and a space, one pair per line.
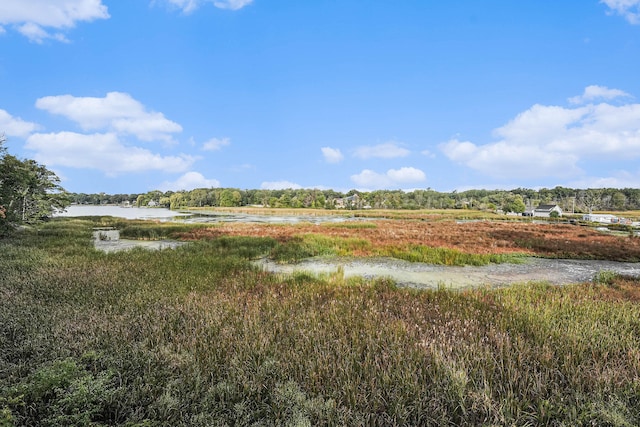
164, 214
120, 212
206, 217
420, 275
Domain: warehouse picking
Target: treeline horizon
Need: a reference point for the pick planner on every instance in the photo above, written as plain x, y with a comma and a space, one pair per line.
516, 200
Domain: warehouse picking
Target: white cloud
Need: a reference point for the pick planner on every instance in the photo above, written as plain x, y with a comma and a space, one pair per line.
526, 127
428, 153
15, 126
279, 185
621, 179
35, 18
502, 160
595, 92
232, 4
332, 155
551, 141
189, 181
116, 112
630, 9
103, 152
406, 175
391, 179
215, 144
387, 150
37, 34
189, 6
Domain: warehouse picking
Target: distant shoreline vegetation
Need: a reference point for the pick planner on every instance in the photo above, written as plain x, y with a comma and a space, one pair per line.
518, 200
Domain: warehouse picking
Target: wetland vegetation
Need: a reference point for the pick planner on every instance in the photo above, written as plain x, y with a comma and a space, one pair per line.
198, 335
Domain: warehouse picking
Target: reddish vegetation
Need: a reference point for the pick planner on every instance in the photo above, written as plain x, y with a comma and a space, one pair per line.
623, 289
559, 240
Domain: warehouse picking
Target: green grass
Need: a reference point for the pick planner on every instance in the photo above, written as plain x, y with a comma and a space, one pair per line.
310, 245
196, 336
156, 231
446, 256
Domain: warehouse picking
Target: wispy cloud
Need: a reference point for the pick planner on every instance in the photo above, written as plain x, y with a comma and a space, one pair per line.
188, 6
428, 153
620, 179
215, 144
117, 112
552, 141
393, 178
232, 4
39, 20
332, 155
595, 92
388, 150
630, 9
189, 181
279, 185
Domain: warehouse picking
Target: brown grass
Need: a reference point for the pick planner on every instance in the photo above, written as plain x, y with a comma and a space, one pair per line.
483, 237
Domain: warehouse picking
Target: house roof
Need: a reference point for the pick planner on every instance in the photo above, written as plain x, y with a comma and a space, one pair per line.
546, 207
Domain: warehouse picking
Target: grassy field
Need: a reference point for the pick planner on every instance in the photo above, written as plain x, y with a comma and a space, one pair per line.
196, 336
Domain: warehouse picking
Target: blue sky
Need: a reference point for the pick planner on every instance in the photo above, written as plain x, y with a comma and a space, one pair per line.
132, 96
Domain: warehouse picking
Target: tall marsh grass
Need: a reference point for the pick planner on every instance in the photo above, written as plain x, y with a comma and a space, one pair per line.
310, 245
447, 256
196, 336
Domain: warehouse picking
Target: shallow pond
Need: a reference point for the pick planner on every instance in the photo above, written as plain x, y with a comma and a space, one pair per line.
206, 217
420, 275
120, 212
164, 214
125, 245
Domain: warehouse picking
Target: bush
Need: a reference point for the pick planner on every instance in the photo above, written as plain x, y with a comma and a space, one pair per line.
64, 393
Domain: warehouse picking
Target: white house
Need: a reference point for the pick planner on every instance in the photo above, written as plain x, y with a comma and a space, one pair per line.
545, 211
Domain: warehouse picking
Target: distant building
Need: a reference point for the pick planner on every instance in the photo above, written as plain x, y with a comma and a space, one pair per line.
602, 218
348, 202
545, 211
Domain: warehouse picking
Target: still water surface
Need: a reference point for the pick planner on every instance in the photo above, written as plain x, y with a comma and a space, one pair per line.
164, 214
120, 212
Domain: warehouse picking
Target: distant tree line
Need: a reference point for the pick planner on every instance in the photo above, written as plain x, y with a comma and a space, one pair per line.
517, 200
